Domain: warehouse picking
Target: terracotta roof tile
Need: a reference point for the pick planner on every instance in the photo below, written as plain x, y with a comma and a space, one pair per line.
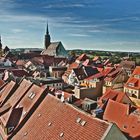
126, 118
82, 57
1, 82
53, 120
31, 97
134, 81
20, 92
117, 96
136, 71
7, 91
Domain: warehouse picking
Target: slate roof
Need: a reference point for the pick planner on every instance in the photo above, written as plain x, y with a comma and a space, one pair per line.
51, 50
54, 120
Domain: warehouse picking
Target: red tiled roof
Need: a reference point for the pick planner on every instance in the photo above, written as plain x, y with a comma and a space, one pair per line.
25, 107
82, 57
100, 69
20, 62
96, 58
136, 71
112, 74
71, 66
87, 62
117, 96
54, 120
20, 92
126, 118
1, 82
107, 70
20, 72
98, 75
6, 91
106, 62
26, 102
135, 81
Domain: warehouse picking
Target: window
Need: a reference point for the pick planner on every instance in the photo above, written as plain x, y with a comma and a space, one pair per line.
131, 84
83, 123
61, 134
78, 120
10, 129
31, 95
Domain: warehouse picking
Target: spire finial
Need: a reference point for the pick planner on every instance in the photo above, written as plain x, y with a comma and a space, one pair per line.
47, 30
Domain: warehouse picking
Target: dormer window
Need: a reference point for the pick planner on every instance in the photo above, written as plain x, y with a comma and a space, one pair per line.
137, 76
10, 129
31, 95
131, 84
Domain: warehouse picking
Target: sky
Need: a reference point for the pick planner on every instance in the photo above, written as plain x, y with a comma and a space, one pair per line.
78, 24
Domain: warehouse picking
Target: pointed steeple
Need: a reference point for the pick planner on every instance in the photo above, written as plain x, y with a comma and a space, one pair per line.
47, 37
0, 43
47, 29
0, 38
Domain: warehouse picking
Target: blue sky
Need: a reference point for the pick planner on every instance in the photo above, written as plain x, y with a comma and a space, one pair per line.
79, 24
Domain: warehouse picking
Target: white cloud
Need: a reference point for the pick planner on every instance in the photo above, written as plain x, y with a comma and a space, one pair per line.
63, 5
17, 30
78, 35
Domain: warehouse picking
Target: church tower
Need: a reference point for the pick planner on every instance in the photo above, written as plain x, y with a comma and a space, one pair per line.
47, 38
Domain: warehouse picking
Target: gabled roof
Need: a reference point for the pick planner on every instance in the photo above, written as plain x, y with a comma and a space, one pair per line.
98, 76
96, 58
126, 118
20, 62
113, 74
24, 86
12, 117
1, 83
108, 70
74, 65
117, 96
84, 72
25, 107
87, 62
134, 81
136, 71
52, 48
7, 91
127, 64
31, 97
15, 72
54, 120
82, 57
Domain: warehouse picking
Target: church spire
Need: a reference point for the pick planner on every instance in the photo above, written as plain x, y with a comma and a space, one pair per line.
0, 43
0, 38
47, 37
47, 29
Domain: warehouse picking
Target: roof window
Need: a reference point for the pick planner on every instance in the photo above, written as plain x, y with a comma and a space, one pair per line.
31, 95
61, 134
